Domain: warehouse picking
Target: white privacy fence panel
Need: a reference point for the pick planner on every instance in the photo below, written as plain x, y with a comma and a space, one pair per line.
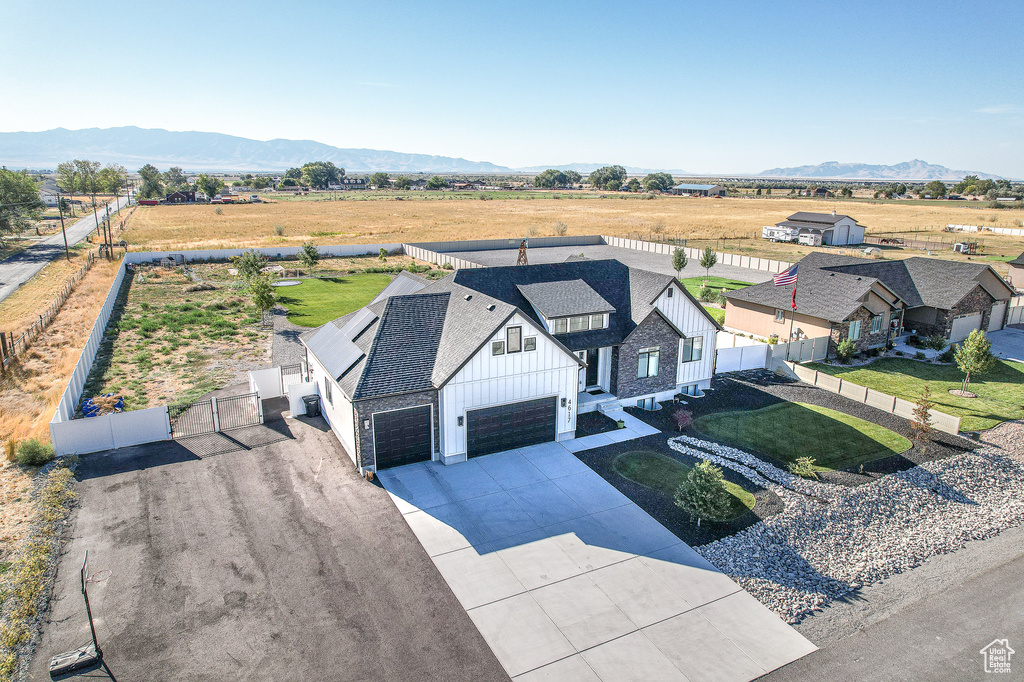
269, 383
761, 355
740, 359
1012, 231
869, 396
330, 250
750, 262
1015, 313
110, 431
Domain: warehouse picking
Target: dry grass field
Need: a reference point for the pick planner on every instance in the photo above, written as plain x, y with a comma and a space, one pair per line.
21, 308
289, 223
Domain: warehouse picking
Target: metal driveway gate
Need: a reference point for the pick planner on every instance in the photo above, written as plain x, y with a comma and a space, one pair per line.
191, 419
238, 410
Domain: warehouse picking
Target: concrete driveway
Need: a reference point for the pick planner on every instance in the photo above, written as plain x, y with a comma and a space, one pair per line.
257, 555
567, 579
1008, 343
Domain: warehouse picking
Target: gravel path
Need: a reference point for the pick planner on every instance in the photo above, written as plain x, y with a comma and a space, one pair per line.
288, 350
830, 541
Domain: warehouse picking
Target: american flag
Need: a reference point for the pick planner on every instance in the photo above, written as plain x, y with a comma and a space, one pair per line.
784, 278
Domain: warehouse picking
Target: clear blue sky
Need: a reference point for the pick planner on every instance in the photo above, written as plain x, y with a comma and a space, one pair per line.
700, 86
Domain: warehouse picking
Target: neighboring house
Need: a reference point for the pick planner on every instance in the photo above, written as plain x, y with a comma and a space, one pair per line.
492, 359
689, 190
1017, 272
822, 192
349, 183
870, 301
48, 193
180, 197
835, 230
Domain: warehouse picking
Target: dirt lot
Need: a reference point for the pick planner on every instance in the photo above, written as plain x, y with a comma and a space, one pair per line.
273, 563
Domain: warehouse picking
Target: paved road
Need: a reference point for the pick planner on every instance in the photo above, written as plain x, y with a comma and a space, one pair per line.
20, 267
275, 563
955, 610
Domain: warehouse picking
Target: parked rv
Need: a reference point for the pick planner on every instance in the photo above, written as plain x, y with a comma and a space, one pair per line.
776, 233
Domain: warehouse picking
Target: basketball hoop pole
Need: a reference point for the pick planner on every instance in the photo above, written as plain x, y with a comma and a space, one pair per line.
88, 608
87, 656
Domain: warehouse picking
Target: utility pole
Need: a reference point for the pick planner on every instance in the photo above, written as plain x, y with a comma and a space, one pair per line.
60, 210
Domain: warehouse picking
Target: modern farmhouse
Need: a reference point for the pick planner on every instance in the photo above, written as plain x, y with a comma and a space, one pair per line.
492, 359
871, 301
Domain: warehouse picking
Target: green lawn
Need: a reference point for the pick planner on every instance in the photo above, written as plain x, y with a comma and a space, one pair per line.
665, 474
786, 431
1000, 391
717, 313
318, 301
692, 284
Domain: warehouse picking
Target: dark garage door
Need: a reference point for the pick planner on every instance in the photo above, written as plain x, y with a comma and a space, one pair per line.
402, 436
511, 426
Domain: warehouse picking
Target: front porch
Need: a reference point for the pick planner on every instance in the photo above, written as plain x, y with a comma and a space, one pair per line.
589, 401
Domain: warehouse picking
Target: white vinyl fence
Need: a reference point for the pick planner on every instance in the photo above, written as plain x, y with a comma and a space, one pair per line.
734, 259
1012, 231
735, 353
1015, 313
869, 396
273, 382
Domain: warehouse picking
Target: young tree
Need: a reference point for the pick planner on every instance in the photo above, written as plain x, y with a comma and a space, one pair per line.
707, 261
703, 493
382, 255
309, 256
262, 295
402, 182
678, 260
249, 265
921, 424
380, 180
974, 356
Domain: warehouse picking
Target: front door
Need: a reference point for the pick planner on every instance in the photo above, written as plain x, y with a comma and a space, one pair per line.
592, 367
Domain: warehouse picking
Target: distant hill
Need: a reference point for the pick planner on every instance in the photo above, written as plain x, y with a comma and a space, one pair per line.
195, 151
908, 170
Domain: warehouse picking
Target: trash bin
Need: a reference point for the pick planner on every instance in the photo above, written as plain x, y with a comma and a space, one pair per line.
312, 405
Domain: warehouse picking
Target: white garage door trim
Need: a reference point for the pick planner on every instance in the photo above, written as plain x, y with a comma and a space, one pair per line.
963, 325
995, 323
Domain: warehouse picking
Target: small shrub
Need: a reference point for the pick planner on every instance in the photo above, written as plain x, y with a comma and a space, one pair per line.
218, 210
708, 295
448, 266
914, 340
561, 229
899, 353
948, 356
382, 254
703, 493
278, 230
935, 342
845, 351
919, 355
683, 418
803, 467
33, 453
871, 352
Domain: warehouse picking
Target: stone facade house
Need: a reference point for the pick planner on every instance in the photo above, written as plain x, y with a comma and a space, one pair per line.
492, 359
871, 301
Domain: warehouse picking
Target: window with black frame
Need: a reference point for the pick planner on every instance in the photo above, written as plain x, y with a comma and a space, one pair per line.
648, 362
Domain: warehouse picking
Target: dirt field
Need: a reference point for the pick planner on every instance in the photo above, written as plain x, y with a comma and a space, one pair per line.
412, 219
21, 308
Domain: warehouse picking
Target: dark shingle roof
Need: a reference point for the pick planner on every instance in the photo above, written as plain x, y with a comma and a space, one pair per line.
1019, 260
564, 298
400, 361
826, 218
832, 296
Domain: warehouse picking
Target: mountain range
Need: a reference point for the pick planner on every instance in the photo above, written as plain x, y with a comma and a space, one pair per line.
198, 151
908, 170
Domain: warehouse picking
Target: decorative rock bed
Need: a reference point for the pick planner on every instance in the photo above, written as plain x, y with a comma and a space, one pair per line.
831, 540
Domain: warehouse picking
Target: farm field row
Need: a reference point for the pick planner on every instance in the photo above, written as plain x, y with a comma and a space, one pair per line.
737, 222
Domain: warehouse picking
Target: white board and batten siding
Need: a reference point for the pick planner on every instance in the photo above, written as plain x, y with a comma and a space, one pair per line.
488, 380
682, 312
338, 411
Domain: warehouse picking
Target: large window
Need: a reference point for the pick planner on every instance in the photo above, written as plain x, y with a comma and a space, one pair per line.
876, 324
693, 349
648, 364
514, 339
579, 323
855, 330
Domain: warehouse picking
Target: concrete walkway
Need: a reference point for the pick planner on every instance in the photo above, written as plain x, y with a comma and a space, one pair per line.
568, 579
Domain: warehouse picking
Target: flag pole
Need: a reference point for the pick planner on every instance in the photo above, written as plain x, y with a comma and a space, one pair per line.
792, 319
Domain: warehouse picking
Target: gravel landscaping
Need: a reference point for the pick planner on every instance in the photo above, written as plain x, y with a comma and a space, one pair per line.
592, 423
829, 541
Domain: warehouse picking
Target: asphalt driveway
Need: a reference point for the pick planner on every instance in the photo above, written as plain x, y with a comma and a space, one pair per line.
242, 558
568, 579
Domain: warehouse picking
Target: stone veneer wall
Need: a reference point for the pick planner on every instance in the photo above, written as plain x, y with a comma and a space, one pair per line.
365, 409
866, 340
653, 331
